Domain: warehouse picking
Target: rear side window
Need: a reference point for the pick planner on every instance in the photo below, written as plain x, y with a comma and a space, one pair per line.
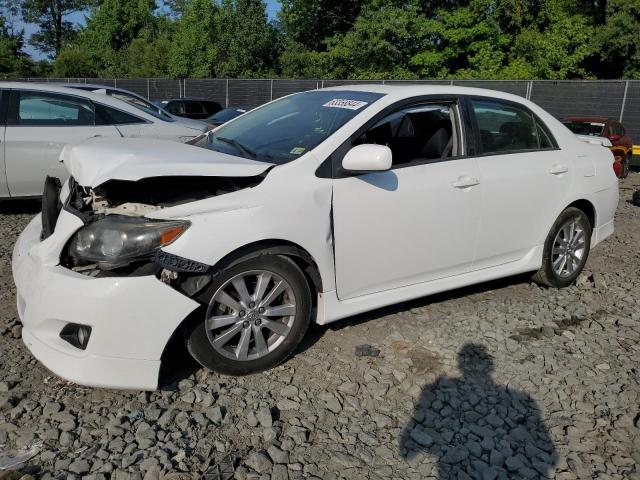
49, 109
111, 116
212, 107
508, 128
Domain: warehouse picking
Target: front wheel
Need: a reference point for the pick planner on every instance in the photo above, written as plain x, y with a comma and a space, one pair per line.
258, 311
565, 250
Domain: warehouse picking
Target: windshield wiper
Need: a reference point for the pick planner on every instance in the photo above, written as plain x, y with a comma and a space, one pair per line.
239, 146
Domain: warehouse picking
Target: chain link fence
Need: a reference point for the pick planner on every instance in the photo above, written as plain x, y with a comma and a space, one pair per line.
618, 99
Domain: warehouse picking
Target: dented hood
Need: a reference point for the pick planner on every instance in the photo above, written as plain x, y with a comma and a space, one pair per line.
98, 160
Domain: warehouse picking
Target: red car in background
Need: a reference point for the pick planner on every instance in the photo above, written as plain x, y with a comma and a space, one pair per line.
610, 128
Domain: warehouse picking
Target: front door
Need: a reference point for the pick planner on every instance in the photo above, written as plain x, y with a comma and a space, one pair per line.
417, 222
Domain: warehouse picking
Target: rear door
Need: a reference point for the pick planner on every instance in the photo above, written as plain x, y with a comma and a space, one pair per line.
39, 125
525, 179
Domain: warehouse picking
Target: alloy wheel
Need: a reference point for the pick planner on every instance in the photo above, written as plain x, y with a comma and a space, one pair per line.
568, 248
250, 315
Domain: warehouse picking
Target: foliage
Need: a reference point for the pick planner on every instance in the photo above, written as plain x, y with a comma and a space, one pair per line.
13, 61
193, 50
378, 39
53, 30
618, 39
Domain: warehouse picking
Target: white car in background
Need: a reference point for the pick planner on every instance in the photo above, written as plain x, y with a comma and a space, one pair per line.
40, 119
314, 207
137, 101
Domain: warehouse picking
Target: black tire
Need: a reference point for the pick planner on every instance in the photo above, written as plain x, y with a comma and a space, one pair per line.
547, 276
198, 339
626, 166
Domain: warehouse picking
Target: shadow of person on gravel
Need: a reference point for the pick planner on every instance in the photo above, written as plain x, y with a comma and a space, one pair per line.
476, 428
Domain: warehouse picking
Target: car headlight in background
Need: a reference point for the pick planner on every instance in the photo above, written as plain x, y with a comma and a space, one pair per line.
118, 240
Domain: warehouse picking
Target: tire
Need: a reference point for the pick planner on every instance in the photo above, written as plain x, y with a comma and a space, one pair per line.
626, 165
227, 338
550, 276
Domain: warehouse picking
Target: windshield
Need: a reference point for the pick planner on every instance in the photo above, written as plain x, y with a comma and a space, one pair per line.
287, 128
594, 129
143, 105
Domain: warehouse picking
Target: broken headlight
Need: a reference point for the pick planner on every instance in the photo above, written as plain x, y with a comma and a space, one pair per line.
115, 241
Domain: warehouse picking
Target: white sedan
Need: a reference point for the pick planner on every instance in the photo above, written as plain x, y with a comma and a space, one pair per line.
39, 120
312, 208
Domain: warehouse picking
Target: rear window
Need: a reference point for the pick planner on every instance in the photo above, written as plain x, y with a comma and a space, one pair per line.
595, 129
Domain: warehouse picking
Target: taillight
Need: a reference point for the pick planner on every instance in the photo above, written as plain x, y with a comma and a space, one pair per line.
617, 168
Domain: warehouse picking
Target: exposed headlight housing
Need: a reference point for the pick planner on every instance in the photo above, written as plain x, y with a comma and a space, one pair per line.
116, 241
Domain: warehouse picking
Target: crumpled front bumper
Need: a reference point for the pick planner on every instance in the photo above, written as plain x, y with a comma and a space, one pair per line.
132, 318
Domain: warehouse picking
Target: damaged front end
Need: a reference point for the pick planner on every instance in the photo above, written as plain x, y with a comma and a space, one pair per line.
119, 239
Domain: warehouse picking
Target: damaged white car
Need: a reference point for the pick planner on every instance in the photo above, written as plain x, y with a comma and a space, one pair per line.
314, 207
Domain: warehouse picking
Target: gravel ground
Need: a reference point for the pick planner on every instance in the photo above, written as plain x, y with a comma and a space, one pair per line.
501, 380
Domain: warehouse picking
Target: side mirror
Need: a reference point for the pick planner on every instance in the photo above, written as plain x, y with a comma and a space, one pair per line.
368, 158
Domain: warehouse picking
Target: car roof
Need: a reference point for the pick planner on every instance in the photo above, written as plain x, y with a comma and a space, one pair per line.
64, 90
399, 92
101, 87
194, 99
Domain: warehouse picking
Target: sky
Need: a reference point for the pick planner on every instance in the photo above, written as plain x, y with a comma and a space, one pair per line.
273, 7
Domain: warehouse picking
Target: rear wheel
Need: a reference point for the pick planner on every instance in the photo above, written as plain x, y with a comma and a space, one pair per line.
626, 165
565, 250
258, 311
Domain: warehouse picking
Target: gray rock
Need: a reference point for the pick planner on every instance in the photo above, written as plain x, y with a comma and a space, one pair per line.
277, 455
265, 417
279, 472
215, 414
259, 462
79, 466
419, 436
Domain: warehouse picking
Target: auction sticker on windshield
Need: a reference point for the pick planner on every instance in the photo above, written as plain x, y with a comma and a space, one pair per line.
345, 103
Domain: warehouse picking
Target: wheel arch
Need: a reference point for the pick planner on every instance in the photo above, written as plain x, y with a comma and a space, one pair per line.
587, 207
174, 349
300, 256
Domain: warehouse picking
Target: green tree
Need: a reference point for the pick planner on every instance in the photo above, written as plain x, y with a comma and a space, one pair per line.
618, 40
246, 43
112, 26
310, 22
14, 62
54, 32
74, 62
193, 50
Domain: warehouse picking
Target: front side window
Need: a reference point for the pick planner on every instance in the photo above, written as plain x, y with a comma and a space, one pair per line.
417, 133
41, 108
284, 130
506, 127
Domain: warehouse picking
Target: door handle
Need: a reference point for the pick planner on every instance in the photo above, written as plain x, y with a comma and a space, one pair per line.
558, 170
465, 182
